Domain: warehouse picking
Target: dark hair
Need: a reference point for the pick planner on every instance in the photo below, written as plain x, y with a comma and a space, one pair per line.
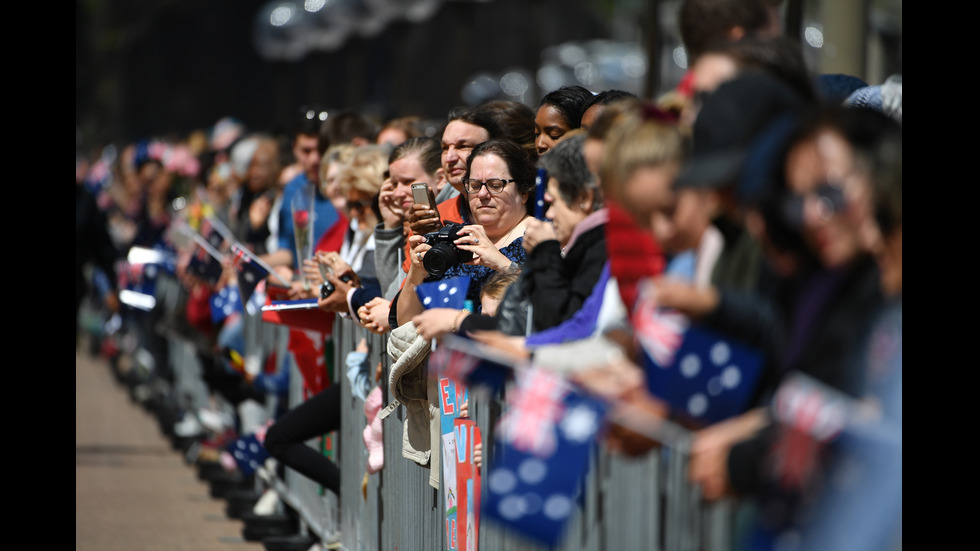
428, 150
484, 118
516, 122
345, 126
606, 97
702, 21
570, 101
308, 121
875, 140
520, 167
566, 164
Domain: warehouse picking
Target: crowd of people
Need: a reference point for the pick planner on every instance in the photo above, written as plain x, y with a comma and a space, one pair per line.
757, 201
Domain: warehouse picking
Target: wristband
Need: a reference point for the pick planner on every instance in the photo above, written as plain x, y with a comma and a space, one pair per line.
452, 328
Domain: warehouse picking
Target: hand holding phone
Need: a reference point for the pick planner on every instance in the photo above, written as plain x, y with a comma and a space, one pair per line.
422, 194
424, 216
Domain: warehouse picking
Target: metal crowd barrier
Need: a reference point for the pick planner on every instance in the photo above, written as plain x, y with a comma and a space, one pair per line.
628, 503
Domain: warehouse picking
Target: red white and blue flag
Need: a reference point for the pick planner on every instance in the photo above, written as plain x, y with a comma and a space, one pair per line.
541, 455
470, 362
809, 415
202, 263
250, 273
704, 376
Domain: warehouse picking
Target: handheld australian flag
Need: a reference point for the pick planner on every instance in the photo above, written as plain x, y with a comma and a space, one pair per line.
541, 455
250, 273
203, 263
704, 376
225, 302
470, 362
445, 293
249, 453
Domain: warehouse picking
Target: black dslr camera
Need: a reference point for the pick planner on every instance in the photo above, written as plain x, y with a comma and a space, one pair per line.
327, 288
444, 254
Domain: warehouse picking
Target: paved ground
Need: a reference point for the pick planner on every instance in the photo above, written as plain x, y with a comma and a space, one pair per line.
133, 492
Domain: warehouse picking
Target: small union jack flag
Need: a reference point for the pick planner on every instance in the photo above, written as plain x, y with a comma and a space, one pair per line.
705, 377
468, 361
250, 273
202, 263
535, 409
809, 415
452, 363
542, 455
661, 332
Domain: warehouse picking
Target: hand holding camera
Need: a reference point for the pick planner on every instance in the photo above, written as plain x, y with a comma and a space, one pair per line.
456, 244
444, 252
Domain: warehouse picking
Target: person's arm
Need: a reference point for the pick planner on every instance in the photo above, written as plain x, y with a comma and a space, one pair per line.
360, 296
408, 303
388, 244
279, 257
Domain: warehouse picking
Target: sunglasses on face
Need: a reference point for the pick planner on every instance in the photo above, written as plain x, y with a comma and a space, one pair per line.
829, 199
358, 204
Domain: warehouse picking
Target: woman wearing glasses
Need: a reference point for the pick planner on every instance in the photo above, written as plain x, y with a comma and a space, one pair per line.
498, 183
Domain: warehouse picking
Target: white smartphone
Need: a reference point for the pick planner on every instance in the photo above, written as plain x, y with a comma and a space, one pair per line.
421, 193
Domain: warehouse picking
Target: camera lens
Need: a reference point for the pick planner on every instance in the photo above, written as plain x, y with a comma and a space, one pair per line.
439, 258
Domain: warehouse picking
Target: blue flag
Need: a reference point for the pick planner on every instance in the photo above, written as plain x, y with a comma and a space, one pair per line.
225, 302
250, 273
541, 455
704, 376
470, 362
202, 264
249, 454
445, 293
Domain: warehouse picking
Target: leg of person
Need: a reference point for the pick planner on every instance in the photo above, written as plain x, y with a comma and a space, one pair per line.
285, 439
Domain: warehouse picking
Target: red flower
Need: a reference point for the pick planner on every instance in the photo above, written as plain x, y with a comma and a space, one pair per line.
301, 218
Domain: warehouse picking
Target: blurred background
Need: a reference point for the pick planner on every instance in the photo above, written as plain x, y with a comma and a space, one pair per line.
169, 67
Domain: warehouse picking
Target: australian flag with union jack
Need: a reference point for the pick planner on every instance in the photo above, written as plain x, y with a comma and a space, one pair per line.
704, 376
541, 455
250, 273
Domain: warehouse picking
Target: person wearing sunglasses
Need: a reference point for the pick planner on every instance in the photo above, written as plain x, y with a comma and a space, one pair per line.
351, 271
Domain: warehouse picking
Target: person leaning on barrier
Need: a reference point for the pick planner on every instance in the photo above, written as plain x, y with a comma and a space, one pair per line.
828, 313
498, 183
351, 274
417, 160
566, 255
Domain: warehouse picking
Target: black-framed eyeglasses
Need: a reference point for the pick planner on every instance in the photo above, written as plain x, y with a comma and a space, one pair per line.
494, 185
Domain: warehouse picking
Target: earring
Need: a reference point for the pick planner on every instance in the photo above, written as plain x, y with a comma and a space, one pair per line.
581, 206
